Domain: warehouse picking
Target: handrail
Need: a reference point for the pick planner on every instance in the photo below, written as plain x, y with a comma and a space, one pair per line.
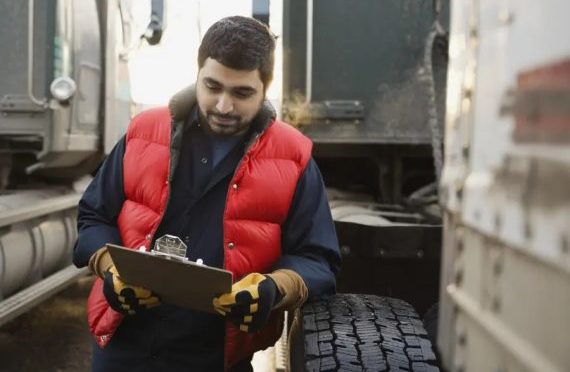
31, 96
309, 65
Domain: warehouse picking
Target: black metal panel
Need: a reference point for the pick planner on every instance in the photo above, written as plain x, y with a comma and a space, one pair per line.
361, 47
400, 261
370, 51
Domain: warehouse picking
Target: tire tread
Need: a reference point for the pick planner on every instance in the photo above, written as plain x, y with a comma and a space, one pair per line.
348, 332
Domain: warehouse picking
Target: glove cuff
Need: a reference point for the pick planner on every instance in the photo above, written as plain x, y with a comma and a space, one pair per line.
100, 262
292, 288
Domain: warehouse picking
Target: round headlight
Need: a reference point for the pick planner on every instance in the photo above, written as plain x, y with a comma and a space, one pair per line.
63, 88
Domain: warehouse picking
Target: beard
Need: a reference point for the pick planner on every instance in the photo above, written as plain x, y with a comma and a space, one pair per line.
224, 125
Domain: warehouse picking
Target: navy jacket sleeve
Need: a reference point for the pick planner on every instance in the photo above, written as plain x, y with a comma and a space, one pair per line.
99, 208
310, 245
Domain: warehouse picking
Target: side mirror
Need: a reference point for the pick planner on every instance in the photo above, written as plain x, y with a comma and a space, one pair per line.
154, 30
261, 10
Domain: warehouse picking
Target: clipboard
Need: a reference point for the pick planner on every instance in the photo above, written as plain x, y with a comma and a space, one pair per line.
182, 283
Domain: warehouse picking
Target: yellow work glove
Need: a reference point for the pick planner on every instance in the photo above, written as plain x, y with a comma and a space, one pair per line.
250, 302
124, 298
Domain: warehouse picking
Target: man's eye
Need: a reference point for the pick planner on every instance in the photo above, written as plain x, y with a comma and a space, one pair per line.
213, 87
243, 94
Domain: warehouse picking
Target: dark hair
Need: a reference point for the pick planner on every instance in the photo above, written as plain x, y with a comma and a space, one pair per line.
240, 43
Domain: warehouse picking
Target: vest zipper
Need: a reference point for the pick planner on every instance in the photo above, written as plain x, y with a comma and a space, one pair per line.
230, 189
168, 193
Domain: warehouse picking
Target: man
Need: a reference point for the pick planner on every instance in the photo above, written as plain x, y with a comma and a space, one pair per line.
238, 187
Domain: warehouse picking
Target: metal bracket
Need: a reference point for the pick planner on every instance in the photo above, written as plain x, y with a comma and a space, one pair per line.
327, 110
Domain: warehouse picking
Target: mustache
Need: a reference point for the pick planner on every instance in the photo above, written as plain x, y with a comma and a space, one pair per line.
222, 116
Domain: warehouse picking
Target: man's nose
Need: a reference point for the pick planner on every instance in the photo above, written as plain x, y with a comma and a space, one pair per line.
225, 104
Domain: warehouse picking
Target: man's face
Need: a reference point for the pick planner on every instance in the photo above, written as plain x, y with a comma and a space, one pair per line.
228, 99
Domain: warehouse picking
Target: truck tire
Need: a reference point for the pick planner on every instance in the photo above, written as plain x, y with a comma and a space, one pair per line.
348, 332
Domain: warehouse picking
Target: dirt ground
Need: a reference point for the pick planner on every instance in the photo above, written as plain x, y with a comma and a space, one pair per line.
51, 337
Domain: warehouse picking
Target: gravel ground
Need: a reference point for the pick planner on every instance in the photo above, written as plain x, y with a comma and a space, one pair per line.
51, 337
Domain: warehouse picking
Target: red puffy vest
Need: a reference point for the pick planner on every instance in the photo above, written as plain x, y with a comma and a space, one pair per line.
257, 204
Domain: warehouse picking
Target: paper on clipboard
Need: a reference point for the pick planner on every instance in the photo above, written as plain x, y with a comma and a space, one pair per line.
182, 283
